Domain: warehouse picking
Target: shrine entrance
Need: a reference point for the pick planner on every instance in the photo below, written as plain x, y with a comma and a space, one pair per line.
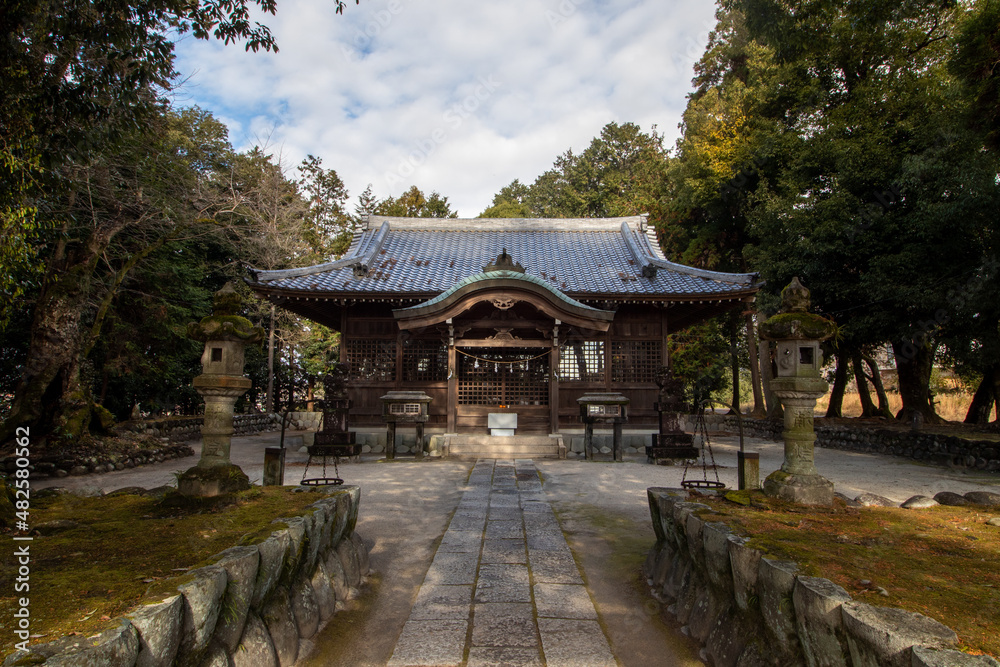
502, 329
503, 379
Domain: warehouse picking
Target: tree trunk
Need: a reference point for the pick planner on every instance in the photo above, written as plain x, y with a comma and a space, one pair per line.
867, 406
759, 410
734, 357
913, 367
49, 394
836, 407
876, 378
269, 398
983, 399
774, 409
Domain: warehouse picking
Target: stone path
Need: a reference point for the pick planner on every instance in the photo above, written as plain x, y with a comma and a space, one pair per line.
503, 588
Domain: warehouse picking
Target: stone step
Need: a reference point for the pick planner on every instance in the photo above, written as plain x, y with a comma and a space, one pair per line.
517, 446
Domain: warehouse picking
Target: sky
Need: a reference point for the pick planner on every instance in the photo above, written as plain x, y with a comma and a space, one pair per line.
455, 96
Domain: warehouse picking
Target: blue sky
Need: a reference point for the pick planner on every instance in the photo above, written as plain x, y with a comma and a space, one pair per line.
455, 96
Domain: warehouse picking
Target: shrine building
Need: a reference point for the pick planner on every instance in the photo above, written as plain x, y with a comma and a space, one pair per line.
504, 315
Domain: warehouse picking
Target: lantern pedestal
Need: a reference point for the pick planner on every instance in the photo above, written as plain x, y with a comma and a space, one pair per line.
225, 335
797, 334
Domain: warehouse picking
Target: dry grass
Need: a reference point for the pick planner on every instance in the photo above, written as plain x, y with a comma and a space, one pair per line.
951, 406
940, 562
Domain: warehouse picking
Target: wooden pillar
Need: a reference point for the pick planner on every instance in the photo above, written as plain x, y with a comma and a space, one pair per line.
390, 440
554, 381
616, 441
452, 380
420, 440
588, 441
343, 334
399, 360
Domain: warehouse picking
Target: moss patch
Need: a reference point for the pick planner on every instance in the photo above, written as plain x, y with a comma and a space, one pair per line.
940, 562
127, 549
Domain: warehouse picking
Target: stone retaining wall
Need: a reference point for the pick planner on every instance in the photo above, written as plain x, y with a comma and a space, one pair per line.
254, 606
749, 610
67, 463
938, 449
179, 430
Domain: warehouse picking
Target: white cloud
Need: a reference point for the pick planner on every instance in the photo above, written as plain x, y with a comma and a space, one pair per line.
458, 97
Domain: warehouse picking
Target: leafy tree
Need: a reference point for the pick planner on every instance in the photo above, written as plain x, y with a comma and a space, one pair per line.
976, 62
328, 226
823, 142
86, 162
414, 204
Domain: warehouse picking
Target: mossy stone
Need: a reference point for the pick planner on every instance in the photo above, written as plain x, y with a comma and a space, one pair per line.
214, 481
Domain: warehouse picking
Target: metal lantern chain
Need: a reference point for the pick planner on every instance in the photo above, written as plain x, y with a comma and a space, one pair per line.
701, 428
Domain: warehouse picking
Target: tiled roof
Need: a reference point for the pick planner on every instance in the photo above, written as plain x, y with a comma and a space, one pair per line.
581, 257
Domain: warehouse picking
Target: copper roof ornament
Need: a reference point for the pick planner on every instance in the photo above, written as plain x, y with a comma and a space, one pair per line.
503, 262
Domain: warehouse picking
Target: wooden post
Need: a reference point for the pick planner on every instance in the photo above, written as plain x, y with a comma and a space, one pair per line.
616, 443
759, 410
452, 380
554, 381
420, 440
390, 440
748, 466
588, 441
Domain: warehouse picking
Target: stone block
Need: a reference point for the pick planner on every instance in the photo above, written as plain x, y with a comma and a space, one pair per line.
305, 609
680, 570
727, 640
929, 657
715, 543
693, 528
335, 571
272, 552
919, 503
116, 646
216, 655
680, 512
354, 494
202, 604
277, 617
296, 527
362, 551
775, 584
256, 648
706, 611
342, 515
819, 621
159, 628
687, 593
240, 564
348, 556
326, 598
882, 637
745, 564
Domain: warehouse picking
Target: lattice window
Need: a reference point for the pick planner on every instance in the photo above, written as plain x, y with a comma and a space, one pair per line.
582, 362
635, 361
503, 377
372, 359
425, 361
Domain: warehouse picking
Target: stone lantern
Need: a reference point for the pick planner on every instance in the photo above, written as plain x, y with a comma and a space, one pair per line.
797, 334
225, 334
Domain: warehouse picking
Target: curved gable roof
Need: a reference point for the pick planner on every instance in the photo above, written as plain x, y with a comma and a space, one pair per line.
503, 284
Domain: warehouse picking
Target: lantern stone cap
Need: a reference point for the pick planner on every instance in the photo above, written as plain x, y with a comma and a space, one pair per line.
794, 321
224, 323
603, 397
407, 397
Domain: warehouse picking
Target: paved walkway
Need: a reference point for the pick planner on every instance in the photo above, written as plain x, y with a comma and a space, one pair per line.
503, 588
